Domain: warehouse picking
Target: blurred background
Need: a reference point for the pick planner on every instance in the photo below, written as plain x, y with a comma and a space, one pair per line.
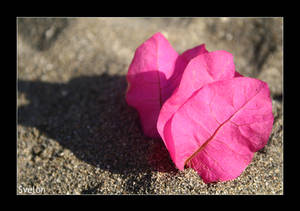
76, 134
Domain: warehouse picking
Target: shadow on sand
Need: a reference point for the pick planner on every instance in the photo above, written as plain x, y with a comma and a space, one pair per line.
90, 117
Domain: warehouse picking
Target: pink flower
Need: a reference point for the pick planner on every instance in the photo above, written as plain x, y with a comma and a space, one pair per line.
209, 116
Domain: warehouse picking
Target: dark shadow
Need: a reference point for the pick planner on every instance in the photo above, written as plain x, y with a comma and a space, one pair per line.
90, 117
41, 33
262, 48
277, 97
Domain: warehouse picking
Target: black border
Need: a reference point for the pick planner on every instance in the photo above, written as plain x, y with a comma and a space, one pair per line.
286, 56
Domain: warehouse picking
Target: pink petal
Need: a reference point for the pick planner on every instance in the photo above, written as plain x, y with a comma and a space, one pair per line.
181, 63
155, 72
219, 128
201, 70
153, 64
189, 54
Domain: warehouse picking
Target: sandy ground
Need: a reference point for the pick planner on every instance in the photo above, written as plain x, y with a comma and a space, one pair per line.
76, 134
